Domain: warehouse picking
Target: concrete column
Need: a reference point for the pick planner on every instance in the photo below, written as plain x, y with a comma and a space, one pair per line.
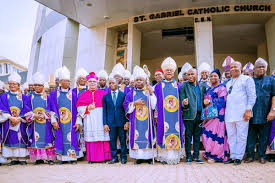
111, 41
262, 51
204, 43
91, 48
270, 39
70, 47
134, 46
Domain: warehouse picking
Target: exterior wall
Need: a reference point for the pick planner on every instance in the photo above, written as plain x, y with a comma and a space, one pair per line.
204, 43
70, 46
262, 51
47, 29
270, 37
91, 48
52, 48
134, 46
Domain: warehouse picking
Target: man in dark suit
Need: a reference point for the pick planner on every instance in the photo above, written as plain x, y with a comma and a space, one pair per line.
191, 97
115, 121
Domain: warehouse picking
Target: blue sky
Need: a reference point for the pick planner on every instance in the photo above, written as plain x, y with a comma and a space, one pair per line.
17, 21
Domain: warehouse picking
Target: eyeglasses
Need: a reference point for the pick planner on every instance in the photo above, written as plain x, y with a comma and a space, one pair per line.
13, 84
37, 85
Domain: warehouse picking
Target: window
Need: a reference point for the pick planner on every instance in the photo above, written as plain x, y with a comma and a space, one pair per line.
6, 68
1, 69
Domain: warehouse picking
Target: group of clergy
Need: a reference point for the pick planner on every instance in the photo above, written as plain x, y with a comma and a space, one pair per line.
105, 114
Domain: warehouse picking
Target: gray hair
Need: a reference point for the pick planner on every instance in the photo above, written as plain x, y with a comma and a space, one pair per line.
113, 79
194, 70
238, 64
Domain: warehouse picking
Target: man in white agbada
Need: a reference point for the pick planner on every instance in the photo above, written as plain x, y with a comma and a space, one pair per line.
139, 105
240, 101
13, 108
204, 71
102, 80
185, 68
169, 117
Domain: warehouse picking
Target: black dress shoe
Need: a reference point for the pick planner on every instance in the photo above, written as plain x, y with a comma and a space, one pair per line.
123, 161
229, 161
37, 162
13, 162
262, 160
249, 160
23, 162
237, 162
189, 160
113, 161
150, 161
90, 162
138, 161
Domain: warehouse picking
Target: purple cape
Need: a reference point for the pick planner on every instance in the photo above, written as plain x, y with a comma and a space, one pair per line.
128, 99
160, 122
5, 108
49, 132
58, 134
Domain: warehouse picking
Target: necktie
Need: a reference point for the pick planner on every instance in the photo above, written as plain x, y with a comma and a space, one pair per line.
114, 98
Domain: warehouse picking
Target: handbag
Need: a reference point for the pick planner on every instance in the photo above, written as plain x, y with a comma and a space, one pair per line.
209, 112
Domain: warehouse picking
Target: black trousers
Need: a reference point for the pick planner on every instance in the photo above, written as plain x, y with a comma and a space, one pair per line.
262, 132
121, 134
192, 129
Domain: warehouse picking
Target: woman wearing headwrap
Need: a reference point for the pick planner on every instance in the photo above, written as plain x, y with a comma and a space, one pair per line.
90, 108
213, 131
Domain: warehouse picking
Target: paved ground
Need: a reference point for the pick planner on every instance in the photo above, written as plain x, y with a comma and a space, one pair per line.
118, 173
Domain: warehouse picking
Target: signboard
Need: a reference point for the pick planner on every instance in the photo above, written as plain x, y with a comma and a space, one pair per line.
248, 8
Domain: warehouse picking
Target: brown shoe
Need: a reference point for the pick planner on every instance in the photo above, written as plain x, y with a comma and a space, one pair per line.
262, 160
249, 160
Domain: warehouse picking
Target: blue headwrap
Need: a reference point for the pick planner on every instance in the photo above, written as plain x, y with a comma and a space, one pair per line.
217, 71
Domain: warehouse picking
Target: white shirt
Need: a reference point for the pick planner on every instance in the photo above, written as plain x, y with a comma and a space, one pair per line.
241, 98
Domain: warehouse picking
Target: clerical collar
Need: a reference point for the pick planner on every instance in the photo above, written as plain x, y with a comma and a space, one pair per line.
168, 81
37, 93
81, 87
64, 90
14, 92
140, 89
